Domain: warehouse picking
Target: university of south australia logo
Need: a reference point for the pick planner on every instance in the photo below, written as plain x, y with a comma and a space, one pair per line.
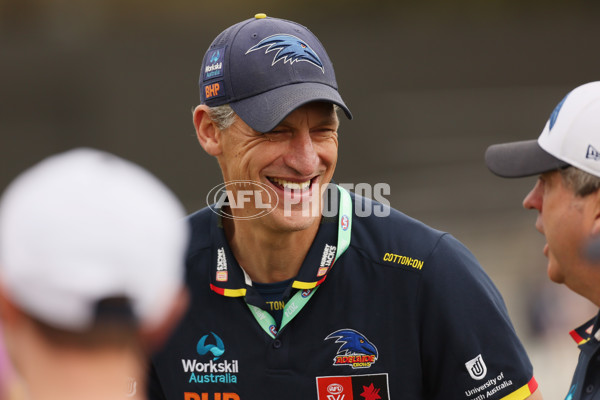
477, 368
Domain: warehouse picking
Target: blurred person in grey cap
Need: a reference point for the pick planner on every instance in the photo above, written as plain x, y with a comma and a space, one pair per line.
567, 199
302, 290
91, 274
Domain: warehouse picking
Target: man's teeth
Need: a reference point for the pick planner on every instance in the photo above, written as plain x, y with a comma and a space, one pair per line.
291, 185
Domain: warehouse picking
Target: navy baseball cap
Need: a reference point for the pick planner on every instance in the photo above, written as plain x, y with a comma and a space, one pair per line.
265, 68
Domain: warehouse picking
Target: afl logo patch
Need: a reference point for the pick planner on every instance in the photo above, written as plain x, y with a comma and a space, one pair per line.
345, 222
335, 388
353, 387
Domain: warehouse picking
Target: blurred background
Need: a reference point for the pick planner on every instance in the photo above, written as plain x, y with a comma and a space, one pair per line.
431, 85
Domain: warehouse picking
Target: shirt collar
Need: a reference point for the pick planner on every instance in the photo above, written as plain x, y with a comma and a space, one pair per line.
229, 279
587, 331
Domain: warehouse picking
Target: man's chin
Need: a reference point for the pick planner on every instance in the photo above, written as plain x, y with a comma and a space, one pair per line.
294, 220
554, 272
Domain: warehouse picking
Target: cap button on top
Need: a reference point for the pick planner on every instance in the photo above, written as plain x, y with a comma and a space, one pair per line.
260, 16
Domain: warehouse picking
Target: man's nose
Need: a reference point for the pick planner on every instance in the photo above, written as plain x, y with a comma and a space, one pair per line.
533, 200
302, 155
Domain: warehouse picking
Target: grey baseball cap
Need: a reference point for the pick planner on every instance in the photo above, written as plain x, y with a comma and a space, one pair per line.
520, 159
265, 68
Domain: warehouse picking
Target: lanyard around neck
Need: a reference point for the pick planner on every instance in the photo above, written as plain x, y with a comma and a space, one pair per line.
301, 297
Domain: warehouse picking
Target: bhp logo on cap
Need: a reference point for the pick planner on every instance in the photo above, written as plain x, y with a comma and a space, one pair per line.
214, 90
288, 48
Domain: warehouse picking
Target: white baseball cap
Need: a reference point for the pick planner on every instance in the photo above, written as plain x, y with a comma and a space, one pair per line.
83, 226
571, 137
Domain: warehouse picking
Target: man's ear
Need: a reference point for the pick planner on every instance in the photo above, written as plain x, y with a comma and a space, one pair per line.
596, 223
206, 131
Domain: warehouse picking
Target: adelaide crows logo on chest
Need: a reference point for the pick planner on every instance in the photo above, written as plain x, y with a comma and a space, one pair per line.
356, 350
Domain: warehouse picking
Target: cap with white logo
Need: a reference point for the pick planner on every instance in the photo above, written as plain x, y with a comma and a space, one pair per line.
571, 136
265, 68
85, 226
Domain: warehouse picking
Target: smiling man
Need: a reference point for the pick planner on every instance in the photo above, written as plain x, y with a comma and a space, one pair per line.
567, 200
301, 290
295, 160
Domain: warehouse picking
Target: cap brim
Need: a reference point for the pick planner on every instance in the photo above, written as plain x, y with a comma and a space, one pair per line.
520, 159
265, 111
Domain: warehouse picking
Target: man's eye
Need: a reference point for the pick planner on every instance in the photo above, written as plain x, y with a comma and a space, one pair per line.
324, 132
277, 134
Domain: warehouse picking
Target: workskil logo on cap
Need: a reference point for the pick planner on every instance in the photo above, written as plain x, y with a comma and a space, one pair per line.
356, 350
214, 64
288, 48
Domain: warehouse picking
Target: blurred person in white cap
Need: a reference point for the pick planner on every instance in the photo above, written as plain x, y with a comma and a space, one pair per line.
566, 157
91, 274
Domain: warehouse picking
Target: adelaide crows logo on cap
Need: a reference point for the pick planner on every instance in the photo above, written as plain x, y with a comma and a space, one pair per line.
290, 49
356, 350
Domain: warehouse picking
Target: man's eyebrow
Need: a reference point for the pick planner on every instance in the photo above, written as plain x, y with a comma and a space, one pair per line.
325, 120
329, 119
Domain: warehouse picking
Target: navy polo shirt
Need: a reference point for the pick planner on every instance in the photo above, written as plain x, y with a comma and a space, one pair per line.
586, 380
406, 312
